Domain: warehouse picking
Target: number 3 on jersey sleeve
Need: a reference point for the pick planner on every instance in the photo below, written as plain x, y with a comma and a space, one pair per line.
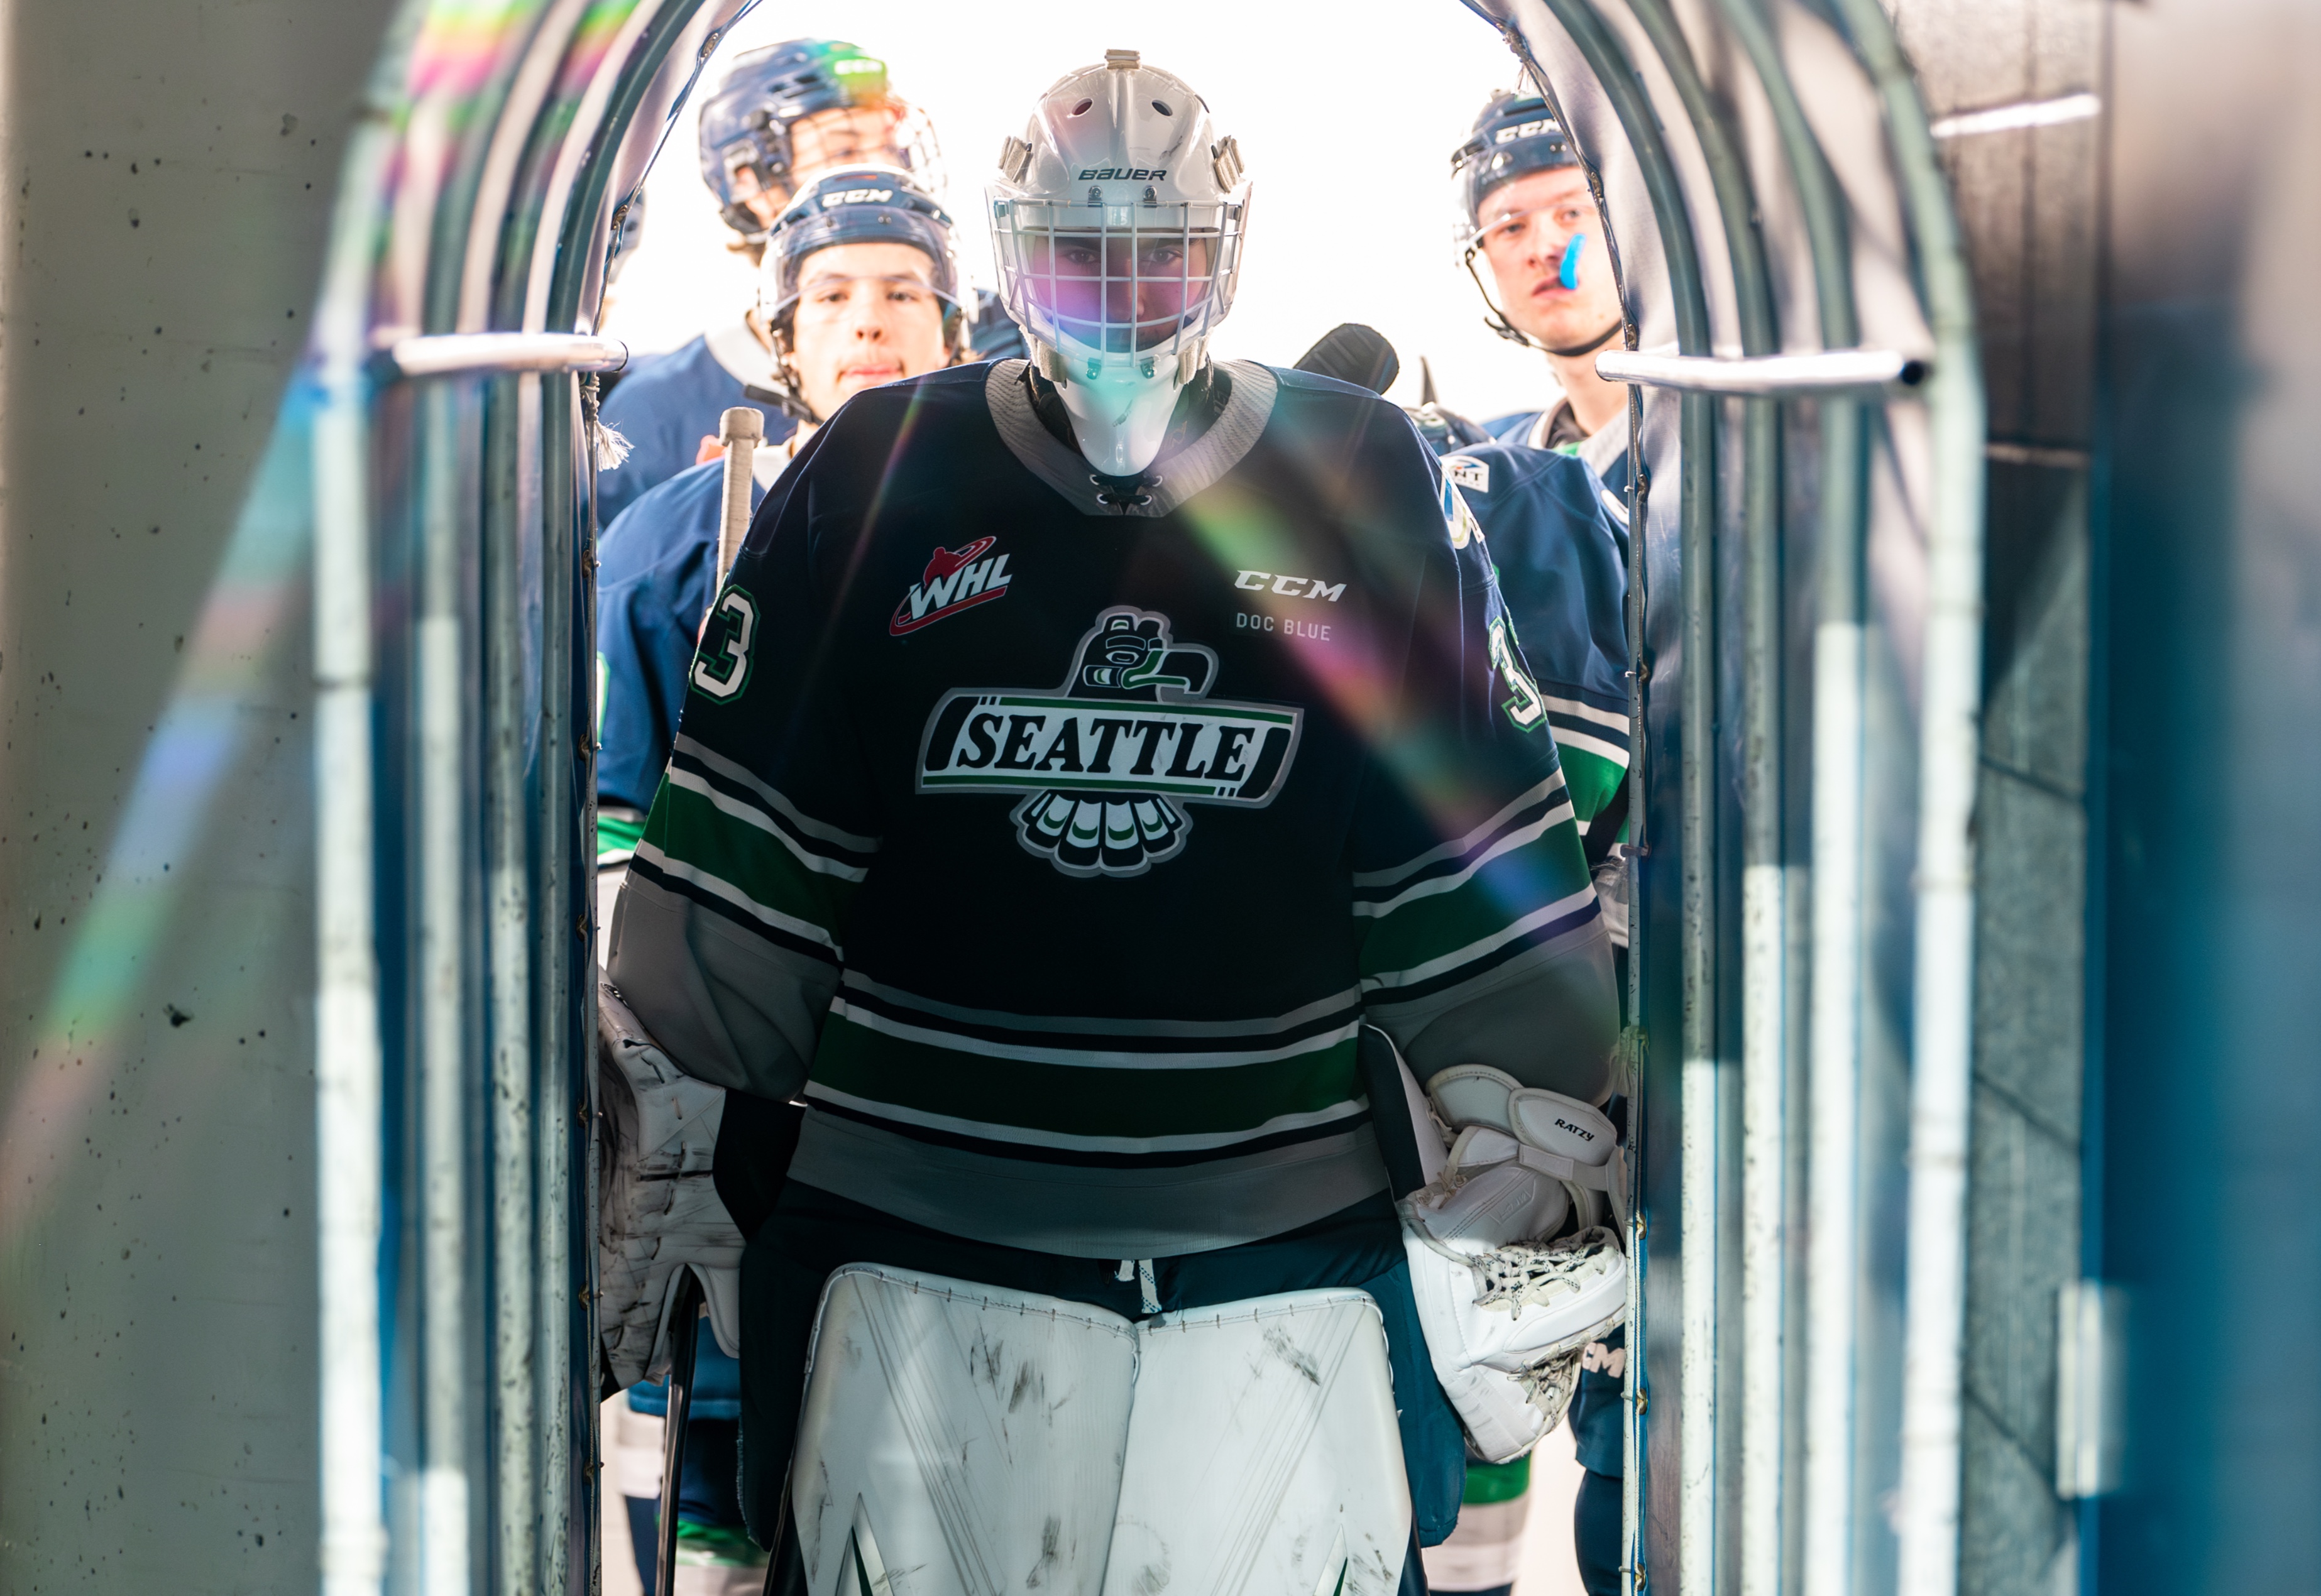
722, 668
1527, 708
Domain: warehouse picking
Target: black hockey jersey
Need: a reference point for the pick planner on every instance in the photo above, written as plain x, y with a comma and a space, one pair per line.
1057, 846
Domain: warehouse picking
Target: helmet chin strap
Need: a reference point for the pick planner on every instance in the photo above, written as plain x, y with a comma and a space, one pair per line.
1496, 320
1587, 348
783, 391
784, 395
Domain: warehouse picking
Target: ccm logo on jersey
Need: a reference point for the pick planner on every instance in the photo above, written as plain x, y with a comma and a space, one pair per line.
956, 579
858, 196
1289, 586
1122, 174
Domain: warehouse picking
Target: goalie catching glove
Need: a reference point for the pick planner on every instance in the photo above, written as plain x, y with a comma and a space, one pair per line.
1514, 1250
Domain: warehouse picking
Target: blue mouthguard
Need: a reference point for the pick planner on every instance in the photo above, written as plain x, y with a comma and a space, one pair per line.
1569, 275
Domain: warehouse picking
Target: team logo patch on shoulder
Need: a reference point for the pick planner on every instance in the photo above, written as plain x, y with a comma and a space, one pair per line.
1468, 471
1107, 762
956, 579
1457, 517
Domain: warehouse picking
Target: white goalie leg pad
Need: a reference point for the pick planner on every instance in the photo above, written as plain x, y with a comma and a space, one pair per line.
1263, 1455
959, 1439
963, 1440
659, 1211
1505, 1328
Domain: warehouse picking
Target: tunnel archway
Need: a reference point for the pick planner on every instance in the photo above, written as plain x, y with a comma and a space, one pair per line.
1808, 452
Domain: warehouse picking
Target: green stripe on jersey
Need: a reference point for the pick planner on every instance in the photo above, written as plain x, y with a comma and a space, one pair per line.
1078, 1099
1488, 1483
690, 829
1590, 778
1423, 925
617, 833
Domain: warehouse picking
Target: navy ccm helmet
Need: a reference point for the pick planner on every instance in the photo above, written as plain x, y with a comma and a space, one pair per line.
1515, 135
746, 147
857, 204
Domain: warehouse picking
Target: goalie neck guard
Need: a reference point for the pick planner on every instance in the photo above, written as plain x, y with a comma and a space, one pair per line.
1117, 223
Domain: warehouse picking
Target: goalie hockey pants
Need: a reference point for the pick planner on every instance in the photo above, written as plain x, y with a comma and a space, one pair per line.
813, 1232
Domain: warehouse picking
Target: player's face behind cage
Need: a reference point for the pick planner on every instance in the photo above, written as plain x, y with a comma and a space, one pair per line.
1114, 278
891, 132
1120, 292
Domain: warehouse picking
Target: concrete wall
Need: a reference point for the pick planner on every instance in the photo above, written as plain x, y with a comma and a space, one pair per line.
2209, 641
169, 172
2145, 1107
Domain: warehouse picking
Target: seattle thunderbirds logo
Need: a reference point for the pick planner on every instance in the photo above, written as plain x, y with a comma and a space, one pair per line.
1107, 761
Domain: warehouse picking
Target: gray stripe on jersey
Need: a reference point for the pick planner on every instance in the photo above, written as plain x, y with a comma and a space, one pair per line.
727, 1007
1459, 847
999, 1020
1547, 1016
743, 775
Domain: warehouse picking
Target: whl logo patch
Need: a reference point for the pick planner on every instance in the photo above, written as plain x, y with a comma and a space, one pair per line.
1108, 760
956, 579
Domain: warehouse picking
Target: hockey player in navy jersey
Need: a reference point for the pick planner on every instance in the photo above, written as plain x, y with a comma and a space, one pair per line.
1558, 541
780, 117
1557, 529
1060, 864
1558, 538
859, 286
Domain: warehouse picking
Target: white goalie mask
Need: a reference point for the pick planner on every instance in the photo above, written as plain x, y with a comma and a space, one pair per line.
1117, 223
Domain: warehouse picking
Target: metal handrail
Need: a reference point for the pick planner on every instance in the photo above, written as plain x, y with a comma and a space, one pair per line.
1851, 385
455, 354
1825, 1409
1832, 373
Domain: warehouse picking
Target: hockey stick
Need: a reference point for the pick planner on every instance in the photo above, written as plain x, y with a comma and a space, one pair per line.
685, 1332
739, 430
